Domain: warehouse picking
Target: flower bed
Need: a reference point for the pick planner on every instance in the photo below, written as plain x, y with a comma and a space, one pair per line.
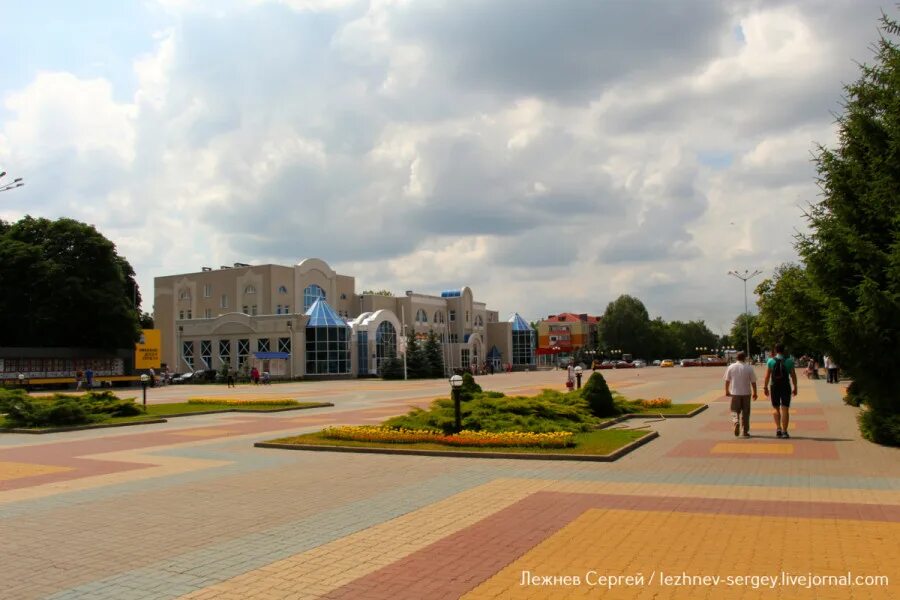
656, 403
556, 439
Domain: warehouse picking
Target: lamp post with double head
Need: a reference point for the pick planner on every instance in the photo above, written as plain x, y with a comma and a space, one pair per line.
15, 183
745, 277
578, 371
455, 384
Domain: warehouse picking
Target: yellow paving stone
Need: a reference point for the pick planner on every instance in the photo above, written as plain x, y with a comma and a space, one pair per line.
738, 448
337, 563
612, 542
18, 470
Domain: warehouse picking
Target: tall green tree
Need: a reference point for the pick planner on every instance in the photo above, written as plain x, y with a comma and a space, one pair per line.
738, 335
853, 251
434, 357
63, 284
626, 326
790, 312
416, 362
690, 335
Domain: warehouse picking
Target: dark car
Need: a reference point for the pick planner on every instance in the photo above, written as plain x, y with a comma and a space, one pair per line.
622, 364
607, 364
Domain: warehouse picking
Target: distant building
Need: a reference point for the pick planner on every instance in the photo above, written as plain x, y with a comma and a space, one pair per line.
567, 332
307, 321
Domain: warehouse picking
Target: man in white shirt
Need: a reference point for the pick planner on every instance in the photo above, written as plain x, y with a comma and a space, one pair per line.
740, 381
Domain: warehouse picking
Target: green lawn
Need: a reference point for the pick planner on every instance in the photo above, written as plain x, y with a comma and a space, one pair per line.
601, 442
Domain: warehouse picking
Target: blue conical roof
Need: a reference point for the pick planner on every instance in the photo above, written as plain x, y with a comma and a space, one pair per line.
322, 315
519, 324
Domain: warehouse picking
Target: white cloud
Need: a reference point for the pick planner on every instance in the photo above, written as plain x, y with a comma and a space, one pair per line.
550, 158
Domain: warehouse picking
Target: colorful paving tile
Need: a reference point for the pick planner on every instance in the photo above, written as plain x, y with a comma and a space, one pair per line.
756, 448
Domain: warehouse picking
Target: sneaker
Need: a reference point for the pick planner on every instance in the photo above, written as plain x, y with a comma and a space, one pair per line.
737, 429
785, 434
778, 434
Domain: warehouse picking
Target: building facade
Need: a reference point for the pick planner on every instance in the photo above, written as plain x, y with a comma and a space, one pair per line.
308, 321
567, 332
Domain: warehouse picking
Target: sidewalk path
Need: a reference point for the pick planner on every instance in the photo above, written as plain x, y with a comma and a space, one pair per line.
189, 509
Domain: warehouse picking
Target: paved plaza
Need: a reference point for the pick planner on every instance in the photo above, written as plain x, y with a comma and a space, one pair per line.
190, 509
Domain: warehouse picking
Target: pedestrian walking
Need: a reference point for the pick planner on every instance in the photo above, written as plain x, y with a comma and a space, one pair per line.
229, 379
79, 376
740, 386
89, 378
781, 375
254, 375
570, 376
831, 369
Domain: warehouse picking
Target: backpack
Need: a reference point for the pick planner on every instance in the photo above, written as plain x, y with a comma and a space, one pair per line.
779, 373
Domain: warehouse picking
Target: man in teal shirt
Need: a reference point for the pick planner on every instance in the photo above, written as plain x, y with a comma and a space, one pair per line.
780, 373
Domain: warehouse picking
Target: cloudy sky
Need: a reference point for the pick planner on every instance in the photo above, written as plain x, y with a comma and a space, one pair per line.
551, 154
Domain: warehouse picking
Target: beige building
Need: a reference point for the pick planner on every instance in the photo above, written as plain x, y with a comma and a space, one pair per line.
308, 320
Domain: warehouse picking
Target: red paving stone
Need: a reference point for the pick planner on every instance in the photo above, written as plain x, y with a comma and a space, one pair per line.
464, 560
65, 454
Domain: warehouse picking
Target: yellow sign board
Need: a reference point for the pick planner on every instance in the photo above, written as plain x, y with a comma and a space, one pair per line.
147, 350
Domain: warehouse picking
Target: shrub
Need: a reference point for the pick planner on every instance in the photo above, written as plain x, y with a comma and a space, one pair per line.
881, 428
7, 396
469, 388
598, 396
547, 412
64, 409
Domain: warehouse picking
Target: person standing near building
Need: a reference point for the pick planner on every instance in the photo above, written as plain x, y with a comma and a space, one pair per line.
740, 386
781, 374
89, 378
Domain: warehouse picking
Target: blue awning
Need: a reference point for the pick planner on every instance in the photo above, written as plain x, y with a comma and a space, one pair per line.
451, 293
494, 353
265, 355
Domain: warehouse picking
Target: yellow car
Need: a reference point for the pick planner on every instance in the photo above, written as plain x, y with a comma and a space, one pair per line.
666, 363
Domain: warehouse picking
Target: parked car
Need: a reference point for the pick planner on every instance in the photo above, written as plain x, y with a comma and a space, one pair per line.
622, 364
690, 362
668, 362
182, 378
607, 364
656, 363
639, 363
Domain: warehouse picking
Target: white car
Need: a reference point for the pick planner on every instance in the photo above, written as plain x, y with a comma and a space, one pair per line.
639, 363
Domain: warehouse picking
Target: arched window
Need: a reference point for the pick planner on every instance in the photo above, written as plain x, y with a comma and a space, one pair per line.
421, 316
438, 317
311, 294
184, 295
249, 290
479, 322
385, 343
282, 289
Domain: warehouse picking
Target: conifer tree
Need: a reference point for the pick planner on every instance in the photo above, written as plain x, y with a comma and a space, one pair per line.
853, 251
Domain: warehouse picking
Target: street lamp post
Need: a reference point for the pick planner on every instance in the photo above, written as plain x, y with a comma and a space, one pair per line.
145, 379
455, 384
578, 371
15, 183
746, 276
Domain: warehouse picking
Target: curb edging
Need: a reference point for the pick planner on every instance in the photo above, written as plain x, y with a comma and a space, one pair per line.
615, 455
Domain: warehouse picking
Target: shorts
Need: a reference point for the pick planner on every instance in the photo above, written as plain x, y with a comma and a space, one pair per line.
781, 397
